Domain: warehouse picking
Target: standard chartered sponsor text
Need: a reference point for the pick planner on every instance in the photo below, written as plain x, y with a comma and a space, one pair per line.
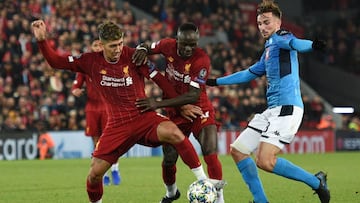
113, 82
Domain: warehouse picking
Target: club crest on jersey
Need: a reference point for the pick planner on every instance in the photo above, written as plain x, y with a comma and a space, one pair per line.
170, 59
267, 53
187, 68
126, 71
102, 72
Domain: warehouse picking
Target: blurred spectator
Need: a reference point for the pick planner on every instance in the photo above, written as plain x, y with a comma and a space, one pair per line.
326, 123
45, 144
354, 124
74, 23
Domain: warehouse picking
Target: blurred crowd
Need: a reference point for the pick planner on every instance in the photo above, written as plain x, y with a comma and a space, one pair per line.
31, 91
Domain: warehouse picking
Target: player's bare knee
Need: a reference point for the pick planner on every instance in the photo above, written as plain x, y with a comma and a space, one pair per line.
265, 162
170, 157
238, 155
207, 150
171, 133
94, 177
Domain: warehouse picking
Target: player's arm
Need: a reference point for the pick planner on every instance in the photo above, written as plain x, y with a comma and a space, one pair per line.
53, 58
143, 50
304, 45
235, 78
288, 41
175, 100
76, 88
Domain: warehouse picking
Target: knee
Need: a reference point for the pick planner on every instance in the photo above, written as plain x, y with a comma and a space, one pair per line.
94, 177
266, 163
208, 149
237, 155
171, 133
170, 156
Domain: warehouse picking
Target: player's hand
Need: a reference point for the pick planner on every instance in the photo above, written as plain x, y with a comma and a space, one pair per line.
39, 30
146, 104
319, 44
140, 55
77, 92
190, 112
211, 82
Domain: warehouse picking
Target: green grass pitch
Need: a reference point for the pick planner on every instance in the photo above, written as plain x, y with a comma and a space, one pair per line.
59, 181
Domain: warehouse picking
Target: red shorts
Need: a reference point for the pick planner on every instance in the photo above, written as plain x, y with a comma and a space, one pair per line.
196, 126
117, 140
95, 123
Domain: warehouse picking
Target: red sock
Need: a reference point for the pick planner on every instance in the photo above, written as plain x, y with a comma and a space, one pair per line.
213, 166
168, 174
187, 153
95, 191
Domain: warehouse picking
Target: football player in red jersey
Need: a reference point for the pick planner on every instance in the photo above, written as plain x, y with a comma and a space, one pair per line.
95, 112
120, 83
187, 68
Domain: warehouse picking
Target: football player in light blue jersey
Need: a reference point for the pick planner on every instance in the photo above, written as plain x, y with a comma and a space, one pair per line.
271, 130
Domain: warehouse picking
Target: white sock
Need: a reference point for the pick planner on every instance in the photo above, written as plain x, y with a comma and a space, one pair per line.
106, 173
99, 201
199, 173
115, 167
171, 190
220, 196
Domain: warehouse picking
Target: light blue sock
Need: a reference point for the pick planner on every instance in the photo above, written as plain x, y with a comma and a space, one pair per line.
287, 169
250, 175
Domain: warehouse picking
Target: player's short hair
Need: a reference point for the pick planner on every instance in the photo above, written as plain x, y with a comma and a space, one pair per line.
187, 27
110, 31
269, 6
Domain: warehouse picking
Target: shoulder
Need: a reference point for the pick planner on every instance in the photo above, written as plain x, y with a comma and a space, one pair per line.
166, 42
128, 51
201, 55
283, 32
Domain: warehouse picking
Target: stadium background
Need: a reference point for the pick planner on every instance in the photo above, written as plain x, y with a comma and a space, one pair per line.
31, 91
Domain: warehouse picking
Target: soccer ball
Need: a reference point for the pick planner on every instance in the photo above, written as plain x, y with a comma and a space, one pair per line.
201, 191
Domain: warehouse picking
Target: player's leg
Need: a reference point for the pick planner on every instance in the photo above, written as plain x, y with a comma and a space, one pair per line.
170, 157
208, 140
168, 132
240, 151
94, 184
281, 130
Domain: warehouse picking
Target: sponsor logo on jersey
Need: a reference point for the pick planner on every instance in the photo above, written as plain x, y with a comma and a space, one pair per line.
126, 71
267, 53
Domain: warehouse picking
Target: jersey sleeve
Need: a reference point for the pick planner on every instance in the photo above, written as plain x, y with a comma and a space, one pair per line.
72, 63
160, 46
79, 81
200, 72
159, 80
254, 71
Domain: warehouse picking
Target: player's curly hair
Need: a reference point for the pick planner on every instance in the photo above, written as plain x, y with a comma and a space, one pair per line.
269, 6
110, 31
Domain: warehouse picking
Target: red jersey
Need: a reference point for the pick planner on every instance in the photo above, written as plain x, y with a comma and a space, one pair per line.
119, 84
94, 100
182, 73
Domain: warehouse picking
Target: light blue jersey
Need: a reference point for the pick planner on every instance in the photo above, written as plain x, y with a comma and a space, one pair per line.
279, 62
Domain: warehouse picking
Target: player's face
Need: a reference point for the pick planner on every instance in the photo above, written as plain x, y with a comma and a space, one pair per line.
96, 46
113, 49
268, 24
186, 43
